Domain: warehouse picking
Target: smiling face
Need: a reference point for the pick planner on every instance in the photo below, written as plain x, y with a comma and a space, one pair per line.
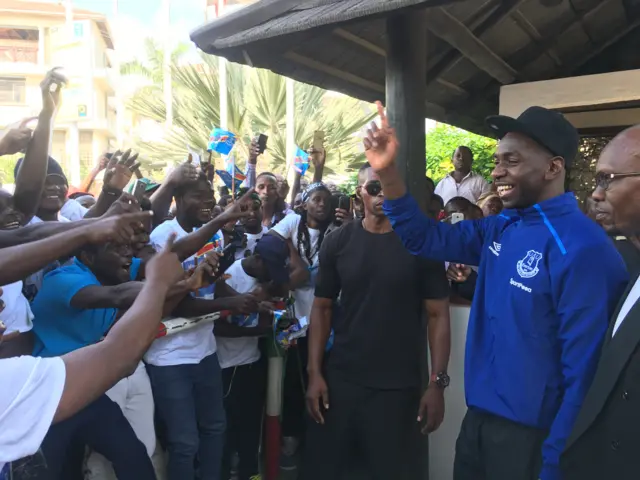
617, 207
318, 206
54, 194
525, 171
196, 203
10, 218
110, 263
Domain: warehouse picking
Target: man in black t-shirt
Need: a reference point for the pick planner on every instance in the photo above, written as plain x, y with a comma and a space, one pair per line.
372, 379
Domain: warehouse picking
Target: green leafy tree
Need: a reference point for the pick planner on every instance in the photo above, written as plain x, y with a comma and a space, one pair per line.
443, 140
257, 104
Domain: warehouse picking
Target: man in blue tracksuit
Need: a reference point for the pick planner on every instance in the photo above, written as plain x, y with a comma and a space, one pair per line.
547, 283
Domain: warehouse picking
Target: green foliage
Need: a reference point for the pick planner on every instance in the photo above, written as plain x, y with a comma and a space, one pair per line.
443, 140
257, 104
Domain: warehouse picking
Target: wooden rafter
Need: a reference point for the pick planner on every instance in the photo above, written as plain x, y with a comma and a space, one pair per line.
367, 45
524, 23
442, 24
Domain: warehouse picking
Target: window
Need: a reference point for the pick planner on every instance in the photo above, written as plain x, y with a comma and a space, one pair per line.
12, 90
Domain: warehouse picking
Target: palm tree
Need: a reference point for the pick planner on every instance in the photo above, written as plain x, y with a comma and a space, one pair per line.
256, 100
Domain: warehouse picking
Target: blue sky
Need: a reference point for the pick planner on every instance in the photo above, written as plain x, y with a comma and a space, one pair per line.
183, 12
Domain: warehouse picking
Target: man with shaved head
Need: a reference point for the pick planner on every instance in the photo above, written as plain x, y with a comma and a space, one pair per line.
605, 440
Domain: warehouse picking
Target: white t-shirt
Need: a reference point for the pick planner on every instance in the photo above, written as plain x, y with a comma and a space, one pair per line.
17, 315
73, 210
233, 352
252, 238
31, 391
288, 229
191, 346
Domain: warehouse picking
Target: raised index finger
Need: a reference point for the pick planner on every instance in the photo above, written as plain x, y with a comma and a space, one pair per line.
384, 123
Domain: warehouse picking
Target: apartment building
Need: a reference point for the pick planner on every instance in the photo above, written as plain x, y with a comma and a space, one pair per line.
36, 36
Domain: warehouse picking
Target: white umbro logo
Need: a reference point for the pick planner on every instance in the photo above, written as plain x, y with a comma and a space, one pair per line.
495, 249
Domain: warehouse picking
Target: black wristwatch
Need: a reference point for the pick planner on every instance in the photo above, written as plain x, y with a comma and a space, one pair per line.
440, 379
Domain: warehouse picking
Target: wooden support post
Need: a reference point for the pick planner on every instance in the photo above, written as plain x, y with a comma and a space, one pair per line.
406, 107
405, 95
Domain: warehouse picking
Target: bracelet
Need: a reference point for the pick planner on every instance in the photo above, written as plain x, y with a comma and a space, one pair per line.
113, 192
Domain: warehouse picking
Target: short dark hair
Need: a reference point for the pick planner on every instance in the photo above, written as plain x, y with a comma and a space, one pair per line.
438, 198
463, 147
267, 174
458, 204
183, 189
361, 172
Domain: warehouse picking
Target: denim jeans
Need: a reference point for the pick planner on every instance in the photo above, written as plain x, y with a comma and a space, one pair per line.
102, 426
189, 402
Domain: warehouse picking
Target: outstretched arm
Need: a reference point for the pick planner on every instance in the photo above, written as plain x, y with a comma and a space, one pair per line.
32, 172
22, 260
420, 235
92, 370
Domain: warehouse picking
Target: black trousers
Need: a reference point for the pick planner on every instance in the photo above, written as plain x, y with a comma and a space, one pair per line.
293, 391
102, 426
245, 391
494, 448
379, 424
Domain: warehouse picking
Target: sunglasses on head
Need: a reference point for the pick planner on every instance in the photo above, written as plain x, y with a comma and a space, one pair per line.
373, 188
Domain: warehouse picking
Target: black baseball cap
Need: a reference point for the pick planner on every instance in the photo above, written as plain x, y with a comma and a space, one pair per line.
275, 254
548, 128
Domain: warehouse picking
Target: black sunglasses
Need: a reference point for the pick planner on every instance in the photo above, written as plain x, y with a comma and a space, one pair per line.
603, 180
373, 188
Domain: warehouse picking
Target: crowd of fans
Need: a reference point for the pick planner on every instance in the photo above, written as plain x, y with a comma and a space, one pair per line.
91, 390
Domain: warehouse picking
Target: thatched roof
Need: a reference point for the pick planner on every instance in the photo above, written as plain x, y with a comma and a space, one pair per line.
473, 48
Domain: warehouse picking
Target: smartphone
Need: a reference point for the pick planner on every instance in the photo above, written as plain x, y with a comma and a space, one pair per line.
318, 140
456, 217
344, 203
139, 189
262, 142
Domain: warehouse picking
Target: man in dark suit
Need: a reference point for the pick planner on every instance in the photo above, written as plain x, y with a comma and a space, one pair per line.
605, 440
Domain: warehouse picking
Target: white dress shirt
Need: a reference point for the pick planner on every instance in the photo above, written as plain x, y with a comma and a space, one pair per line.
632, 298
470, 187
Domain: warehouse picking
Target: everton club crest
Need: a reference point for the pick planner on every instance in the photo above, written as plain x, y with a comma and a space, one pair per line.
528, 266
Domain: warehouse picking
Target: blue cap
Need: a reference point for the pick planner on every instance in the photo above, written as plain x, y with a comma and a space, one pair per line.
274, 253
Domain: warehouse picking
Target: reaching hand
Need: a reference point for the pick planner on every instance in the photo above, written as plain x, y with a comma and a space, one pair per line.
16, 138
458, 273
240, 208
51, 86
431, 408
118, 228
318, 157
184, 173
126, 203
165, 267
103, 161
381, 144
317, 392
205, 272
254, 151
243, 304
120, 169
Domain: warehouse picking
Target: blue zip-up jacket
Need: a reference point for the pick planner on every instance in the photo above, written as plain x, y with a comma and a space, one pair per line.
548, 281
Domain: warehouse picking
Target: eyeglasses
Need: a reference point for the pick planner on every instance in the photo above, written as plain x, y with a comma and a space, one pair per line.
603, 180
373, 188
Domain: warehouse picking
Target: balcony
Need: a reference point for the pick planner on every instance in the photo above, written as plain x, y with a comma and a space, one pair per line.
13, 54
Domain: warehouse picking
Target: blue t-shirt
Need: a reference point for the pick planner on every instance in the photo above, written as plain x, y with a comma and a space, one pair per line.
60, 328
